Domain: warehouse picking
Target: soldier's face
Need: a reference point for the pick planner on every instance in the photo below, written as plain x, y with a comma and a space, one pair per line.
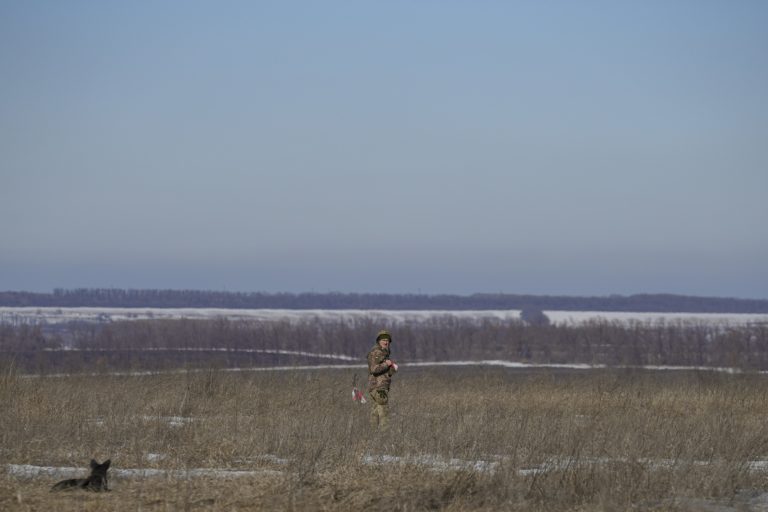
384, 342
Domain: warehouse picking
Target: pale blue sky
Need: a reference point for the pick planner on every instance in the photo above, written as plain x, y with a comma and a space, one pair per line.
589, 147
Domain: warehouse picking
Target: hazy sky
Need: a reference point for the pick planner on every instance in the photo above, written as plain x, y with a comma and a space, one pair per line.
589, 147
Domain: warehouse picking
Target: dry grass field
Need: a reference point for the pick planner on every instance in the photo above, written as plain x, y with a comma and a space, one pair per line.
460, 439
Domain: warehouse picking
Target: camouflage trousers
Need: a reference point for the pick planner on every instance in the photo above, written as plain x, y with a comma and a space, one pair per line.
380, 408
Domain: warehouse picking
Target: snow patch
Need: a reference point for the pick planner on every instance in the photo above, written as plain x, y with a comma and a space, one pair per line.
434, 462
173, 421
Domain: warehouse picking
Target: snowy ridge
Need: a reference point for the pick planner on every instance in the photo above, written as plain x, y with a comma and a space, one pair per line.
52, 315
580, 317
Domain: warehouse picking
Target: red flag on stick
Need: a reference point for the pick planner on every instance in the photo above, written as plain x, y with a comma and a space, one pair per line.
357, 395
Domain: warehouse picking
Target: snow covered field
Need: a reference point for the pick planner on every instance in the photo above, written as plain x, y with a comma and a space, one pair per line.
580, 317
34, 315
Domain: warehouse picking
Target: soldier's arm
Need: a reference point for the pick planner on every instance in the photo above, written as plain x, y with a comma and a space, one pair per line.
377, 363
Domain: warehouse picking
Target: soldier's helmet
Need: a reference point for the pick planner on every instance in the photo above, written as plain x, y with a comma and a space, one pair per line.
383, 334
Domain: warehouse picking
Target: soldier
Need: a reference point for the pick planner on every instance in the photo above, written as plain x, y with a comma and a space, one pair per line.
380, 371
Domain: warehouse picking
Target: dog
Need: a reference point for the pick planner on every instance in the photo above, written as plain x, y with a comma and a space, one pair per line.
97, 481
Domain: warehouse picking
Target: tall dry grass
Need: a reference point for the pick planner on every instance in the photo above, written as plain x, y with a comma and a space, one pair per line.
460, 439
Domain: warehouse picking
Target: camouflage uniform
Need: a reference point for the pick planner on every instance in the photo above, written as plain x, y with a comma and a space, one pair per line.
379, 379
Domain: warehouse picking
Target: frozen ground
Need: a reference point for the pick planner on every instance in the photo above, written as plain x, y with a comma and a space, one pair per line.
102, 315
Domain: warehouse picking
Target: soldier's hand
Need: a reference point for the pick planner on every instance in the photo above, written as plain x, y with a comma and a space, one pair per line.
389, 362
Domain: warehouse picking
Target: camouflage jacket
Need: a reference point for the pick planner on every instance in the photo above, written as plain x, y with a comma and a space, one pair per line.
379, 374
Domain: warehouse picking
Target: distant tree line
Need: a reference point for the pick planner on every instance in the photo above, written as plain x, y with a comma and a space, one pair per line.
145, 298
142, 344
